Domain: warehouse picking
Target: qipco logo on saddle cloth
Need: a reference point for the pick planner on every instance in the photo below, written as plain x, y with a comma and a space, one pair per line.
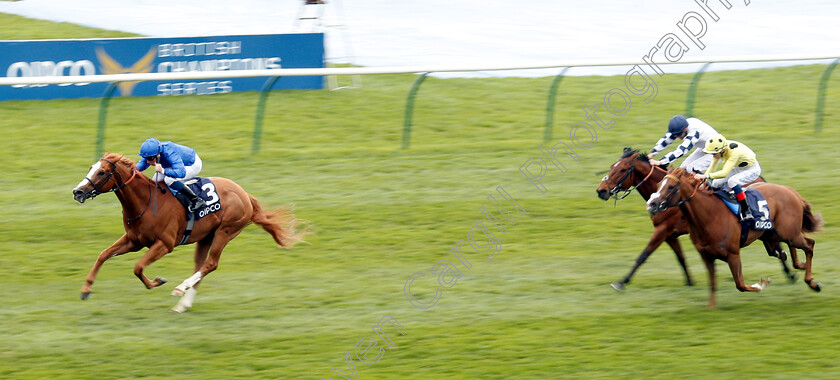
211, 199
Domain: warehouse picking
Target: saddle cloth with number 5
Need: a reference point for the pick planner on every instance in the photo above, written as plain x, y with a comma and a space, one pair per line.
758, 208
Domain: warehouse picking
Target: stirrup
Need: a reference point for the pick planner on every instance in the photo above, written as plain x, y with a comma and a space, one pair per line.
197, 204
747, 217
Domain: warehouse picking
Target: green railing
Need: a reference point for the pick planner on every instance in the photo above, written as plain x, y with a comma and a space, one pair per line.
692, 90
409, 111
818, 120
100, 126
549, 110
552, 94
258, 120
415, 88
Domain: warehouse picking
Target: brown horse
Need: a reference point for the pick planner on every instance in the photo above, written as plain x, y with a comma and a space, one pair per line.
716, 232
154, 218
633, 171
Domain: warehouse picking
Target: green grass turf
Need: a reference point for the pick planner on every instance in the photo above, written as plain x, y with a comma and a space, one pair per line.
541, 309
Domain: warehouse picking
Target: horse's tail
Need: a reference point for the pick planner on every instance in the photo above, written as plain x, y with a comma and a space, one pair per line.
281, 223
810, 222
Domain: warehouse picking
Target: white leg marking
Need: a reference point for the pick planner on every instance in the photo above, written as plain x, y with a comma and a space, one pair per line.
187, 284
186, 302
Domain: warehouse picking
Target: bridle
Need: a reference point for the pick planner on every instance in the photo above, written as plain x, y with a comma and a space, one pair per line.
619, 184
666, 204
97, 189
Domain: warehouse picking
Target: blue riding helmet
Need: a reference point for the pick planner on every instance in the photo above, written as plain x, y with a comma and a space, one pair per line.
150, 147
677, 124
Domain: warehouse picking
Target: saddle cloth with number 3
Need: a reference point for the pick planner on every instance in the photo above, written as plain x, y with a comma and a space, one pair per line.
204, 188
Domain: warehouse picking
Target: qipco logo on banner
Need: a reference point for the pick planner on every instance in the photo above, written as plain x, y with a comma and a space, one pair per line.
50, 68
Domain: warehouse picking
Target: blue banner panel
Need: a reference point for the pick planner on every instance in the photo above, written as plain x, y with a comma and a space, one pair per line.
158, 55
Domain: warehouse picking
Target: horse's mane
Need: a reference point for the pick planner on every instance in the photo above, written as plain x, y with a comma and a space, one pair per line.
683, 173
628, 151
122, 159
679, 172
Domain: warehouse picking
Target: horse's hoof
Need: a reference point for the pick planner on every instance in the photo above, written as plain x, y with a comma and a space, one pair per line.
760, 285
617, 286
689, 283
792, 278
817, 287
85, 295
179, 309
161, 280
782, 256
177, 292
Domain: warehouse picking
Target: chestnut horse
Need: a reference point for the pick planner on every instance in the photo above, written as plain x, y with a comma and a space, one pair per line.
154, 218
716, 231
633, 171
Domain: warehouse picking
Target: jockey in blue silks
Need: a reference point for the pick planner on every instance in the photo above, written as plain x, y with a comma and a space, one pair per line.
173, 163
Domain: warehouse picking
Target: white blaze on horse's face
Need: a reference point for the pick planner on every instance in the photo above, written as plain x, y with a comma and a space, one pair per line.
93, 170
655, 196
606, 177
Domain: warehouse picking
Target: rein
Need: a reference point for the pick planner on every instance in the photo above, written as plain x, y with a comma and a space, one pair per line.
626, 192
129, 220
98, 190
667, 204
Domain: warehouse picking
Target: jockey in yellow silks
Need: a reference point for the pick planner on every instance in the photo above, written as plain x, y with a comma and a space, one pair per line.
733, 165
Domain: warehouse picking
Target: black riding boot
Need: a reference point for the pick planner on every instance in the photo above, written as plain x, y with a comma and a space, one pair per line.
746, 215
195, 201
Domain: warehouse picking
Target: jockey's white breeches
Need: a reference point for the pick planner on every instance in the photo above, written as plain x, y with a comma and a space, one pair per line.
191, 170
697, 161
738, 176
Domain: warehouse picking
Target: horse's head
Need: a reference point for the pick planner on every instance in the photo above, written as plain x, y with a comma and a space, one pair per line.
104, 176
672, 191
621, 176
